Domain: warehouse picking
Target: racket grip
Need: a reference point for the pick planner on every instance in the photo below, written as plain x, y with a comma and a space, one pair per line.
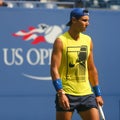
101, 112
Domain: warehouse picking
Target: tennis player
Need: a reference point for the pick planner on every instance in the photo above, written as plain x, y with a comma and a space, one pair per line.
74, 74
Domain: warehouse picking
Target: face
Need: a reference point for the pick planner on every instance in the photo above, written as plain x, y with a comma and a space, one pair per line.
81, 23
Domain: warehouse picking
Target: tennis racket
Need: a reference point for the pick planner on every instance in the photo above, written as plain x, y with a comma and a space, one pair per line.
101, 112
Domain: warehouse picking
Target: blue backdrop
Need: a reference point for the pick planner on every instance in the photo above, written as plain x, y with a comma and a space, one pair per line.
26, 39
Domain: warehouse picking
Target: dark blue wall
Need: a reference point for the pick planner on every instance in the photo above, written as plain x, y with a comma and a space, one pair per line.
26, 92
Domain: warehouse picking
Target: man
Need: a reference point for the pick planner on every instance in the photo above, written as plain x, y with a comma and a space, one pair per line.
73, 71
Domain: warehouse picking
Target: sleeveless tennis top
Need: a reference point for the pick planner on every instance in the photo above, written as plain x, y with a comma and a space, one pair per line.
73, 70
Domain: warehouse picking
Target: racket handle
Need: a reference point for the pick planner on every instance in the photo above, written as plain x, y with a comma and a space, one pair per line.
101, 112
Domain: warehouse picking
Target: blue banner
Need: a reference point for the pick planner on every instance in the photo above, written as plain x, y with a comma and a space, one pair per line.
26, 40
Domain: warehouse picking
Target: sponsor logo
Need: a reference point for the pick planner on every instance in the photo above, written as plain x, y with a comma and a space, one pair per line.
43, 33
33, 56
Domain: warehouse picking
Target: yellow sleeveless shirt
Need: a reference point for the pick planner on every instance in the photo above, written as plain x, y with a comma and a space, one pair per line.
73, 70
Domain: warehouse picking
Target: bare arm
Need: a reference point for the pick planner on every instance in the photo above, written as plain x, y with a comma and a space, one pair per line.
55, 64
93, 74
56, 59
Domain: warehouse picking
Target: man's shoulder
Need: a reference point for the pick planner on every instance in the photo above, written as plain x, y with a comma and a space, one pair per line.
85, 35
63, 36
